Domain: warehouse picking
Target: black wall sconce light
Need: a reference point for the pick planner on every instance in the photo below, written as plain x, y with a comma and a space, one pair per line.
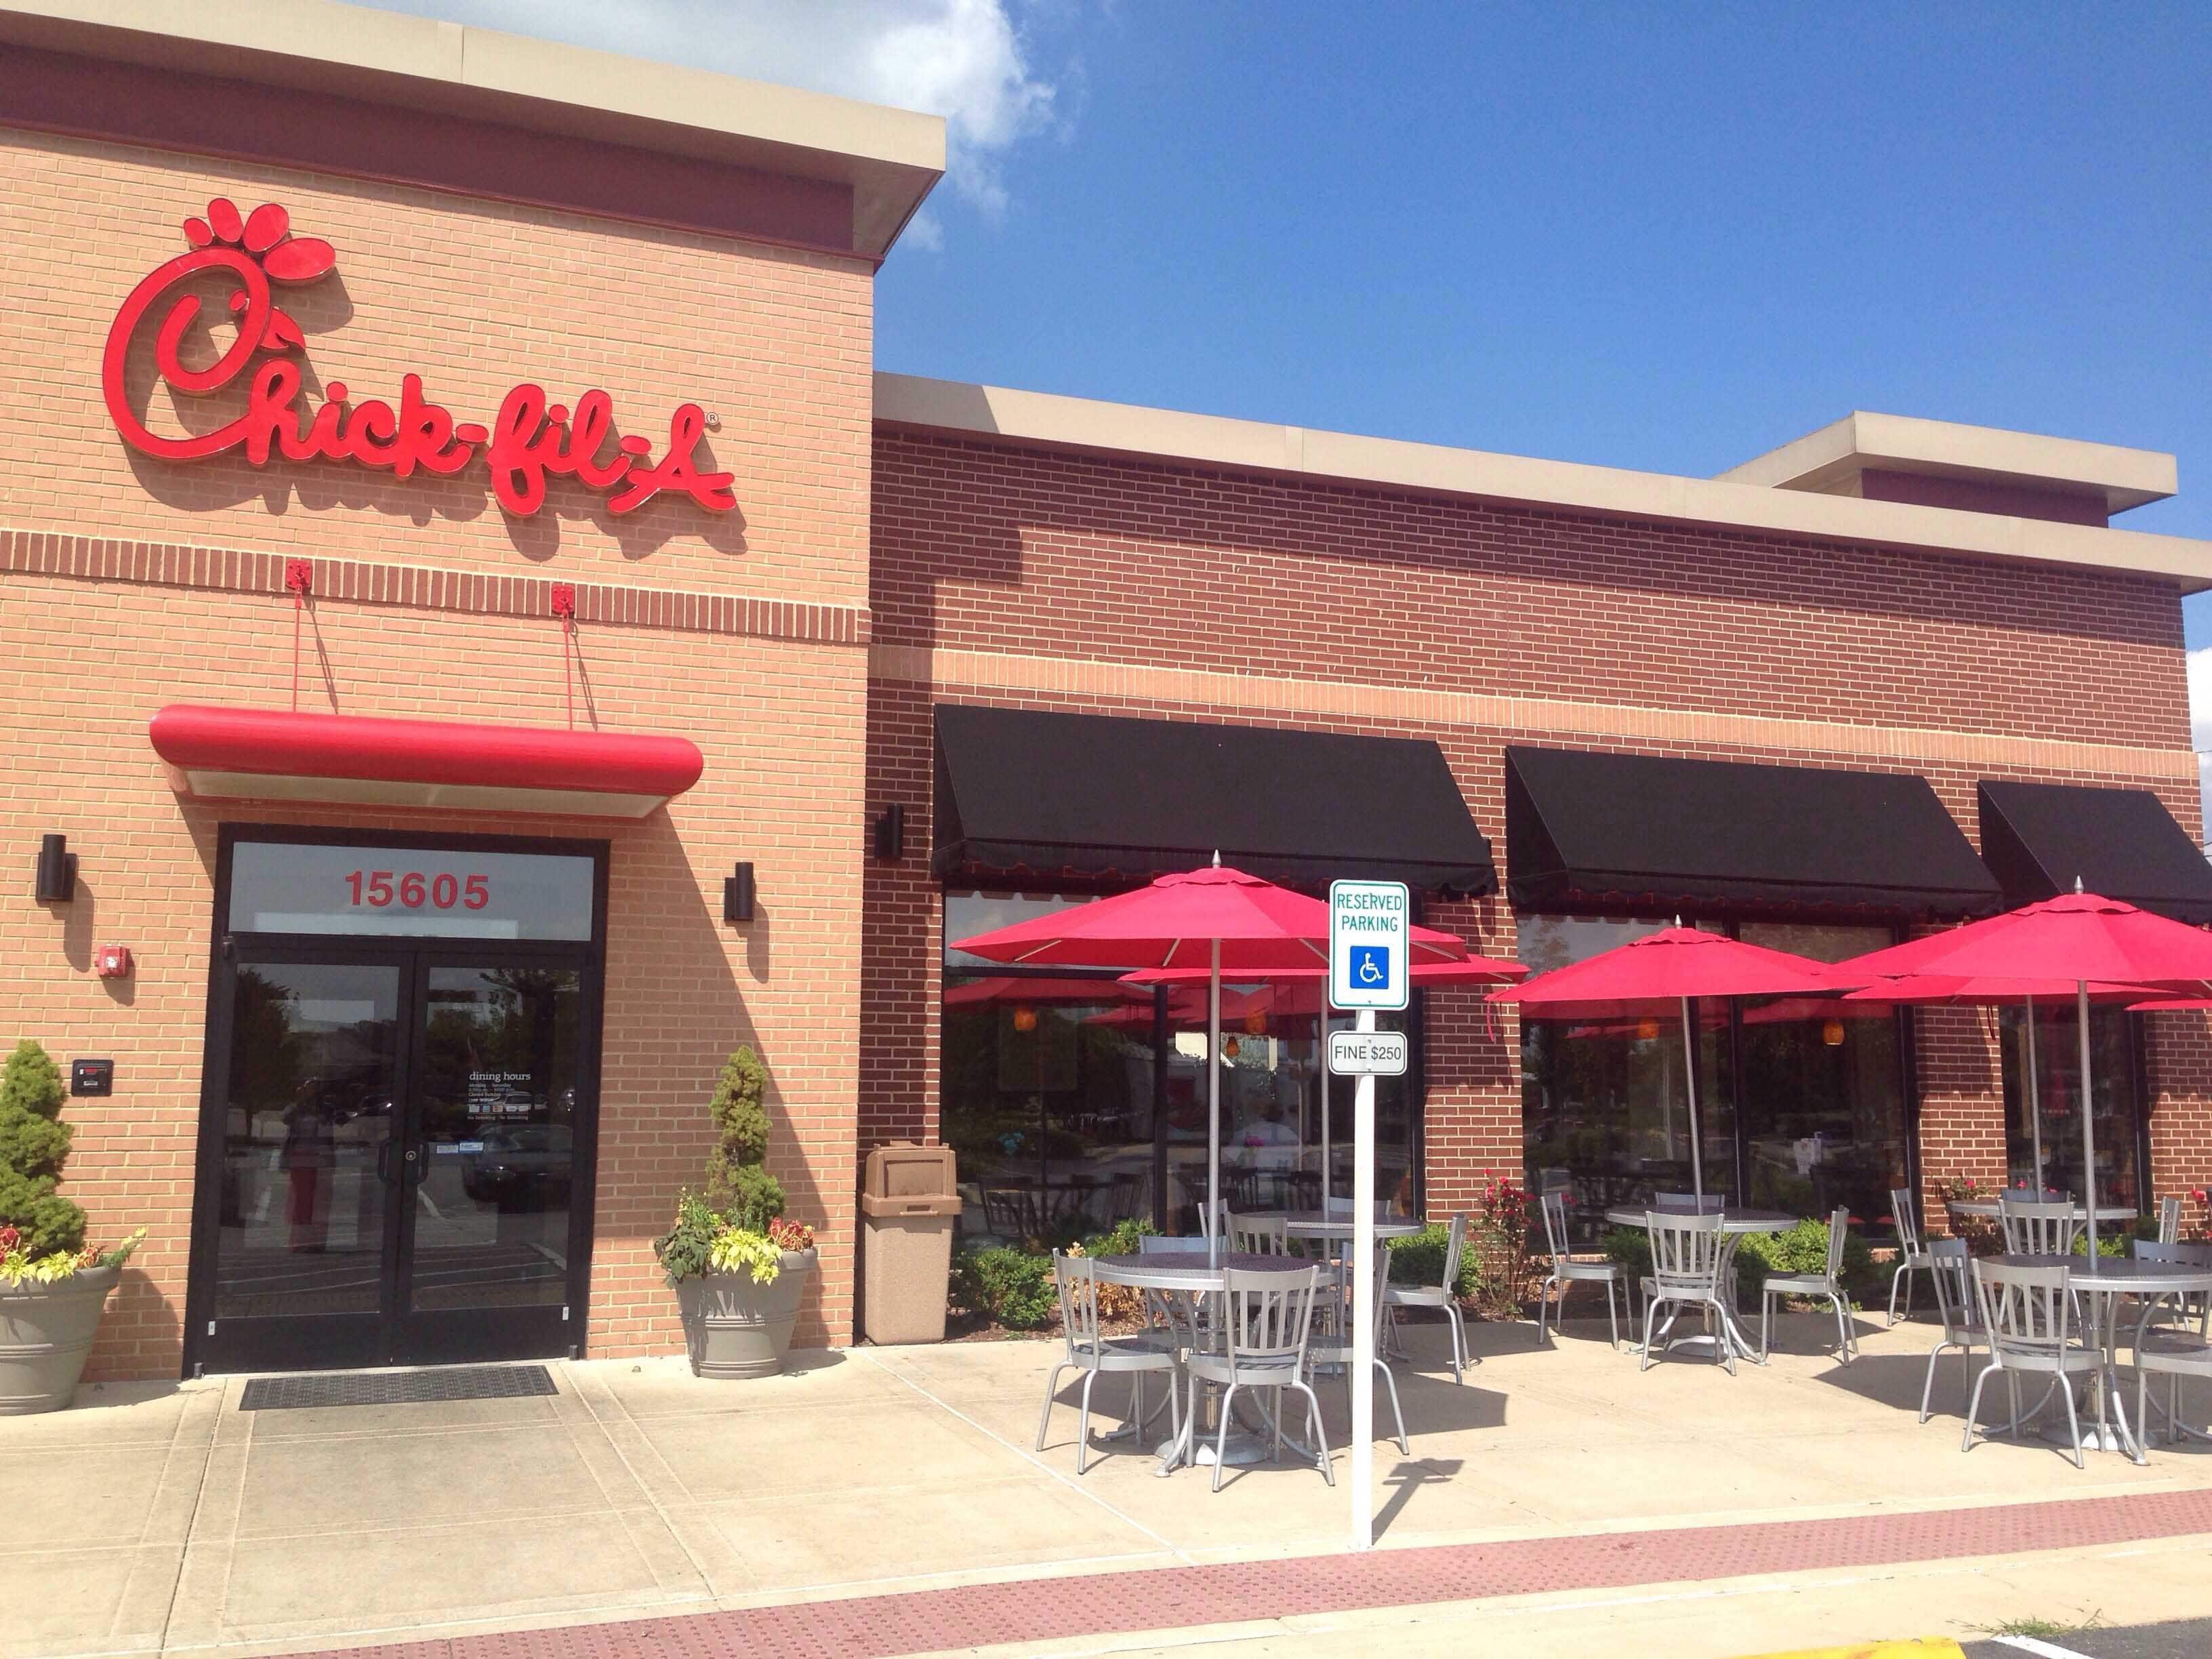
56, 870
738, 894
891, 832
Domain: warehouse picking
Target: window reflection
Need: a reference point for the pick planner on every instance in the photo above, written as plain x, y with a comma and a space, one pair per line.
1823, 1098
2058, 1085
1605, 1101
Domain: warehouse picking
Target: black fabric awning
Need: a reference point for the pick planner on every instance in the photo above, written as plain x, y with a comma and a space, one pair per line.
2038, 838
1672, 834
1021, 792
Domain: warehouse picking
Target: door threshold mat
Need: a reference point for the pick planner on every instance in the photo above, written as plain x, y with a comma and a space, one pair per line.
279, 1393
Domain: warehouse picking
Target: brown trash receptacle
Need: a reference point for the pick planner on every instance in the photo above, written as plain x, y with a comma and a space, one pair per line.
909, 1203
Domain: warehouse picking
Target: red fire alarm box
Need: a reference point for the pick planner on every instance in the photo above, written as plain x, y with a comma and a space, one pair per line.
112, 961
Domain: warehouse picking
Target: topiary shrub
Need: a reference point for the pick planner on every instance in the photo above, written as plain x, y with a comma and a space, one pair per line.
738, 1222
34, 1145
1012, 1287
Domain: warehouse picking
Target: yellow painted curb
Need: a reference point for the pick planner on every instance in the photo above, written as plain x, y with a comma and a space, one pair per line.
1920, 1647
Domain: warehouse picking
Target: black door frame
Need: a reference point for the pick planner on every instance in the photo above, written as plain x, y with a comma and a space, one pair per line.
374, 1339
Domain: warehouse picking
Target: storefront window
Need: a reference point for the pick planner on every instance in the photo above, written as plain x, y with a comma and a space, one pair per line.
2058, 1090
1605, 1100
1049, 1078
1823, 1096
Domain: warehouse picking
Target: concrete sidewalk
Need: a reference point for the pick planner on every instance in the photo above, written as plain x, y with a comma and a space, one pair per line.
165, 1520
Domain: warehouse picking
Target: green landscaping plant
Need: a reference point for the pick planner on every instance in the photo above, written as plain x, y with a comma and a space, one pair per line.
42, 1232
1803, 1249
1419, 1259
735, 1224
1010, 1287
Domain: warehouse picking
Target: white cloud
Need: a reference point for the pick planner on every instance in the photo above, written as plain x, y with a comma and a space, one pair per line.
966, 60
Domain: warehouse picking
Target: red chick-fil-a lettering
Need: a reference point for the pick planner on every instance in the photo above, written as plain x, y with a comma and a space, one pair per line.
528, 441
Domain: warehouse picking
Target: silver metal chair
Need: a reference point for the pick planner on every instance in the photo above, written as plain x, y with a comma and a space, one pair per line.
1445, 1295
1211, 1217
2169, 1220
1336, 1350
2034, 1227
1566, 1271
1950, 1269
1828, 1284
2026, 1311
1688, 1253
1259, 1235
1076, 1278
2174, 1355
1266, 1317
1912, 1253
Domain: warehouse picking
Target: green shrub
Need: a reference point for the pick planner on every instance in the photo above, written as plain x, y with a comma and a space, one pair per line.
1012, 1287
1632, 1248
34, 1144
1804, 1250
1120, 1239
2109, 1242
740, 1124
1419, 1259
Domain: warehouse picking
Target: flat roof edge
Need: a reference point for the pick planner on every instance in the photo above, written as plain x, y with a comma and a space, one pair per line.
890, 158
1084, 425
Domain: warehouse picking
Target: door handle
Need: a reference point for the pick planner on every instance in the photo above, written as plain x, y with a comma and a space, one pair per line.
384, 1171
417, 1166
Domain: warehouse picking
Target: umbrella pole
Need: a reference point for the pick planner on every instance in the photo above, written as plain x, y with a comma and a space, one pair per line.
1690, 1075
2034, 1104
1324, 1019
1214, 1105
2088, 1116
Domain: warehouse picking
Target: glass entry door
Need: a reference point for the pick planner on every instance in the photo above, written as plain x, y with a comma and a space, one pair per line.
403, 1136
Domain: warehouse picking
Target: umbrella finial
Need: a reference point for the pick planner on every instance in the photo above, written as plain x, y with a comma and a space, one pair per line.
1216, 857
2077, 886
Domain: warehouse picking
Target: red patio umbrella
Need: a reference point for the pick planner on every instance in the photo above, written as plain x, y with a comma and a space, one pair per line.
1938, 990
2078, 939
1214, 919
1675, 965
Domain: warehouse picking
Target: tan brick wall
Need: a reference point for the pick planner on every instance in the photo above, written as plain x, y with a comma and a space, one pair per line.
745, 633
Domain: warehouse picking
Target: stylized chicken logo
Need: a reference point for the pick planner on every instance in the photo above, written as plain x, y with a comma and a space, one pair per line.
259, 250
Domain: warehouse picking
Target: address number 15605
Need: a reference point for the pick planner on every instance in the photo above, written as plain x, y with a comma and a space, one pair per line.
412, 890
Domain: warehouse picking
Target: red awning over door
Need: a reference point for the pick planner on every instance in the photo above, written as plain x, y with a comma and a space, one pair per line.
264, 754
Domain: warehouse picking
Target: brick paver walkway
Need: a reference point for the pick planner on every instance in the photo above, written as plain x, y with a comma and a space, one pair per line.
1049, 1609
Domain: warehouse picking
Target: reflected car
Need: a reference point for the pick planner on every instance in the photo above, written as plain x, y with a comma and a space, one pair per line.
522, 1166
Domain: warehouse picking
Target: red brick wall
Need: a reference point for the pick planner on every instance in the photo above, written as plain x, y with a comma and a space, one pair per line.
1054, 570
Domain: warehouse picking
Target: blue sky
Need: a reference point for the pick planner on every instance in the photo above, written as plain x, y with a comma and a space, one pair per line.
1655, 237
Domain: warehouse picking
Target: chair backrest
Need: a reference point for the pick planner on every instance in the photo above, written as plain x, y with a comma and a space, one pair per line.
1268, 1315
1688, 1203
1907, 1218
2169, 1220
2034, 1228
1210, 1215
1012, 1212
1950, 1264
2195, 1252
2158, 1249
1076, 1278
1454, 1247
2023, 1308
1840, 1227
1340, 1209
1383, 1285
1686, 1251
1555, 1226
1260, 1235
1171, 1244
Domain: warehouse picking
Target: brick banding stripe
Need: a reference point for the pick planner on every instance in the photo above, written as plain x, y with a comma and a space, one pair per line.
1051, 1609
428, 588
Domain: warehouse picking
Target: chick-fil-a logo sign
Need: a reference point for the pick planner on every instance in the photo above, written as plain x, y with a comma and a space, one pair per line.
528, 441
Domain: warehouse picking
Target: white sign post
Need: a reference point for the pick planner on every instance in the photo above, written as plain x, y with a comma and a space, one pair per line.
1369, 945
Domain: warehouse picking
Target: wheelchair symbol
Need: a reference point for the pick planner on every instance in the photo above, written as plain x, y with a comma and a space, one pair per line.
1370, 967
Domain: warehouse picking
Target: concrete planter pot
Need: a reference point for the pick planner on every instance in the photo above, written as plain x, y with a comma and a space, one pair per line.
46, 1334
735, 1329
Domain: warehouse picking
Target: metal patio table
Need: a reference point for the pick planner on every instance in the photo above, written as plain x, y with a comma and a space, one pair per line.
1736, 1227
2102, 1282
1191, 1273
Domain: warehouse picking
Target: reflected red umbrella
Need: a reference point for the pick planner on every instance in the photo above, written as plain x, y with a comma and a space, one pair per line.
1214, 919
1666, 970
1010, 988
2079, 940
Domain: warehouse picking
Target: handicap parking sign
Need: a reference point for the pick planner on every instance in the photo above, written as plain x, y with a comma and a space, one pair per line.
1369, 941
